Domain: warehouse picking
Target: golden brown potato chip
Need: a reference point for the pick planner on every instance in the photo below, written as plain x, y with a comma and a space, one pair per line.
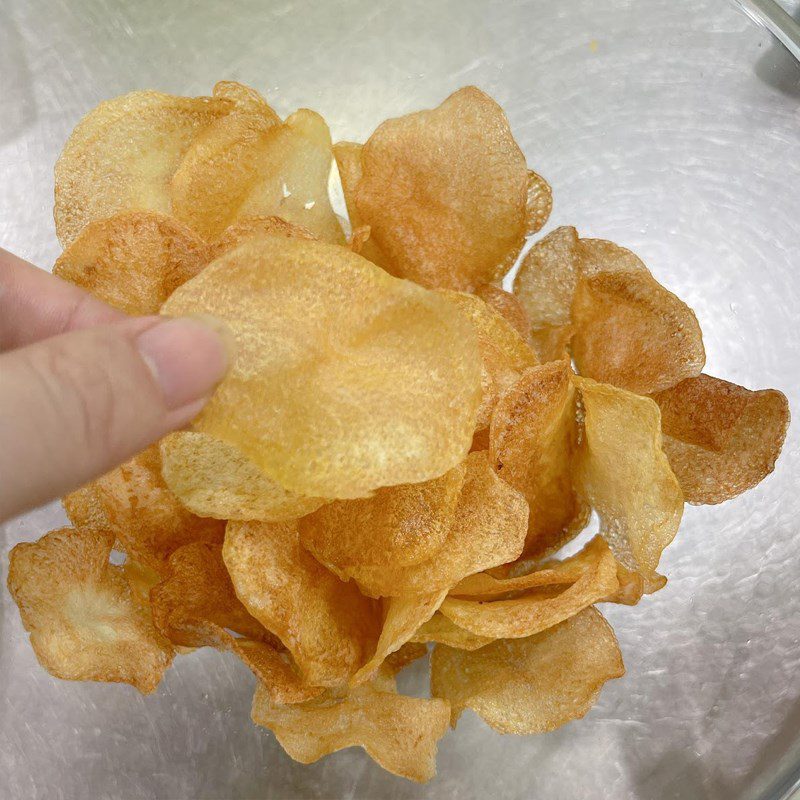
249, 164
348, 162
147, 519
134, 260
397, 526
400, 733
445, 192
539, 202
531, 685
508, 306
244, 98
358, 239
122, 155
403, 656
721, 439
504, 353
440, 629
84, 623
532, 442
141, 579
488, 529
250, 227
633, 333
329, 627
543, 604
85, 509
552, 343
624, 475
371, 382
402, 617
215, 479
632, 586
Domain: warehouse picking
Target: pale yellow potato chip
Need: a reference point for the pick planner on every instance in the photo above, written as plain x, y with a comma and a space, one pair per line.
245, 228
244, 98
539, 202
440, 629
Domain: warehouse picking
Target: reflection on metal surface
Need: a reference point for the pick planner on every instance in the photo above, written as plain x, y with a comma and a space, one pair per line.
769, 14
655, 132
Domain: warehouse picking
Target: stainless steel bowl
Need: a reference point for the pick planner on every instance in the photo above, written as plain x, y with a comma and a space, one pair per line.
669, 126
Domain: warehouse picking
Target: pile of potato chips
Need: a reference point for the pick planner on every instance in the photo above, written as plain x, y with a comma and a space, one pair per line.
400, 447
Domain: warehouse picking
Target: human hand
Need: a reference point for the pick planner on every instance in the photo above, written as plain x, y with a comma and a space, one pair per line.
83, 387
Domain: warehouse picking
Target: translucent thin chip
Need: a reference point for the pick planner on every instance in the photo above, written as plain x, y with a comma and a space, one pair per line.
345, 379
624, 475
400, 733
84, 509
329, 627
83, 619
250, 227
488, 529
531, 685
244, 98
552, 343
539, 203
633, 333
133, 260
248, 164
543, 606
215, 479
508, 306
445, 192
440, 629
122, 155
532, 442
721, 439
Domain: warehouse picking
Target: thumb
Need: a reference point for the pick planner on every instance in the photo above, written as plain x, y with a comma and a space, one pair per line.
76, 405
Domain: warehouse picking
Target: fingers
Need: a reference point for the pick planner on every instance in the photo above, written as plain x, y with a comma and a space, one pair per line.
35, 304
76, 405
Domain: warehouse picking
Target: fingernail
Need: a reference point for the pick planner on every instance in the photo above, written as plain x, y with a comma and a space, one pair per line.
188, 357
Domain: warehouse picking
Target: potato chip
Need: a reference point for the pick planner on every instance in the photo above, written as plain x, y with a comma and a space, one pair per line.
248, 164
440, 629
215, 479
399, 733
371, 382
539, 202
84, 509
406, 654
359, 238
402, 617
624, 475
122, 155
488, 529
445, 193
721, 439
83, 620
244, 98
632, 586
397, 526
348, 162
552, 343
133, 260
252, 227
508, 306
540, 606
329, 627
141, 579
504, 353
147, 519
532, 441
531, 685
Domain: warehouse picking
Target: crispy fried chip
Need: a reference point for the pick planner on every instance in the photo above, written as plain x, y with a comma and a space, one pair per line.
147, 519
215, 479
624, 475
400, 733
539, 202
440, 629
348, 162
371, 382
504, 353
445, 192
548, 599
631, 332
488, 529
122, 155
531, 685
397, 526
329, 627
532, 441
84, 509
250, 164
244, 98
402, 617
83, 620
196, 606
508, 306
251, 227
552, 343
133, 260
406, 654
721, 439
